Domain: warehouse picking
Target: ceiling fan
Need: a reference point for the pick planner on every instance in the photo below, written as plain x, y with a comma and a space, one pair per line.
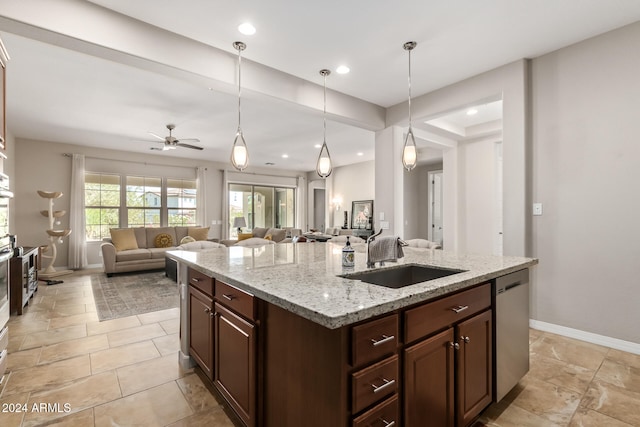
171, 142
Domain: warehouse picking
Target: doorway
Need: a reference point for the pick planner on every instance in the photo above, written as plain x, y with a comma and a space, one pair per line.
435, 207
318, 209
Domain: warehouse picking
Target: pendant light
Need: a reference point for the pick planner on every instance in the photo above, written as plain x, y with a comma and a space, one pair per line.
409, 152
323, 167
239, 152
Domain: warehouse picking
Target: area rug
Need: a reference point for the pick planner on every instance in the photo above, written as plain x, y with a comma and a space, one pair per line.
129, 294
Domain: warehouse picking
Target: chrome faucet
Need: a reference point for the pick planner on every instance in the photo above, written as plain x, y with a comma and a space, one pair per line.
370, 239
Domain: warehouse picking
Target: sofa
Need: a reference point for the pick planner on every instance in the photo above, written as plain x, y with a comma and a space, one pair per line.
139, 249
276, 235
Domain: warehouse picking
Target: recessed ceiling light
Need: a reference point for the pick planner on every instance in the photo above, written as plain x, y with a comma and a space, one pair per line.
472, 111
247, 29
285, 156
360, 153
318, 146
342, 69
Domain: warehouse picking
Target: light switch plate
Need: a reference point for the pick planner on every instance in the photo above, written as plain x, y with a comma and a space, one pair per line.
381, 216
537, 209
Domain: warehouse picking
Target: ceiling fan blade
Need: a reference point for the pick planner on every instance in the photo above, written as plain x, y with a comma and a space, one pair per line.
188, 140
161, 138
195, 147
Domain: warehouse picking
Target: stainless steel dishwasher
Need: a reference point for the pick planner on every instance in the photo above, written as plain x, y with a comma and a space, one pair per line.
511, 320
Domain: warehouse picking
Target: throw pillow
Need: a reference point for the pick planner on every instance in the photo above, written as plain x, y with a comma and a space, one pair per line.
187, 239
123, 238
244, 236
163, 240
198, 233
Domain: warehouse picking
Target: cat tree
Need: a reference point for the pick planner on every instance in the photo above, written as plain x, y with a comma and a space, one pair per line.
54, 236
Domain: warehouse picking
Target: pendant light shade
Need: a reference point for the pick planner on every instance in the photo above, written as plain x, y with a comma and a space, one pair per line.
239, 152
324, 167
409, 152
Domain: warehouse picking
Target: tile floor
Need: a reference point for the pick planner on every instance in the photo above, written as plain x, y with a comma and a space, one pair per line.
123, 372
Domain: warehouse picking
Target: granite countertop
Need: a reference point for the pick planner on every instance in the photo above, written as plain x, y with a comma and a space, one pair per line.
303, 277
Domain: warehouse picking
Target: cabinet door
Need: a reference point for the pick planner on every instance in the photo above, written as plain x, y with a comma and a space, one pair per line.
235, 362
201, 330
429, 382
474, 364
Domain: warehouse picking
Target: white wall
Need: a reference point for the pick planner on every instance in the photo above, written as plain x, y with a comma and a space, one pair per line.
476, 196
42, 166
585, 171
353, 182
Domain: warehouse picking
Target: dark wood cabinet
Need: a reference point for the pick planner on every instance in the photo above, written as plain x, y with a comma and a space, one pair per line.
201, 329
429, 381
474, 367
23, 278
201, 315
4, 57
462, 354
429, 364
235, 362
236, 350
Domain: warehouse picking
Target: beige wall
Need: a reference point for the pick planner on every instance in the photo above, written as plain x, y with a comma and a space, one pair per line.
416, 201
585, 171
353, 182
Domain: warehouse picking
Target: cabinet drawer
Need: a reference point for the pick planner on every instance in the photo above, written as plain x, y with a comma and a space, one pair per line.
239, 301
374, 383
385, 414
201, 281
431, 317
374, 340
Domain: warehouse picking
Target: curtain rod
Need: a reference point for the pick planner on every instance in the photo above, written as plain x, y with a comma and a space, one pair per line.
132, 161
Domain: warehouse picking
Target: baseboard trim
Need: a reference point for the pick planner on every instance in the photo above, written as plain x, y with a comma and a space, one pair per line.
628, 346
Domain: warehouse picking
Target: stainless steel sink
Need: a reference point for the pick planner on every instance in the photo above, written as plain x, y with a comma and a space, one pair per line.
401, 276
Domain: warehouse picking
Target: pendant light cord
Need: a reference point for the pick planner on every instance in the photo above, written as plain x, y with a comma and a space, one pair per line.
239, 82
409, 88
324, 110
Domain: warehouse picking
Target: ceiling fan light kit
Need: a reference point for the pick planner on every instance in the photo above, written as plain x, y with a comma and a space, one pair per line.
324, 167
409, 152
239, 152
171, 143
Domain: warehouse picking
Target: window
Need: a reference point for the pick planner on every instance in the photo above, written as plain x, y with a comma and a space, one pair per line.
140, 202
181, 202
261, 206
102, 204
144, 201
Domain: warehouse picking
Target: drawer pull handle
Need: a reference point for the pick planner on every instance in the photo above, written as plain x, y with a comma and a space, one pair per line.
460, 308
228, 297
387, 383
388, 423
384, 339
195, 279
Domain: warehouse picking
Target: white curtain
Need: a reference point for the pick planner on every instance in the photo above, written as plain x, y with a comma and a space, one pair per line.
77, 243
201, 196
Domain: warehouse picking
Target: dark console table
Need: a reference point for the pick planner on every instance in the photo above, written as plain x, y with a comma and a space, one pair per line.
23, 277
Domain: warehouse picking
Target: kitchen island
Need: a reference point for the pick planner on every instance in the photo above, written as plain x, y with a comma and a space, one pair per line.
287, 341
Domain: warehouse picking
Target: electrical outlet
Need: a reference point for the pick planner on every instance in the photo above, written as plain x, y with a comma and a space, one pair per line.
537, 209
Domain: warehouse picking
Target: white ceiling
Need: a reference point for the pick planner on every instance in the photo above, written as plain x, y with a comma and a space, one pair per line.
58, 94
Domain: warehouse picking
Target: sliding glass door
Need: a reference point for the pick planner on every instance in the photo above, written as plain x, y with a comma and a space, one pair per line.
261, 206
